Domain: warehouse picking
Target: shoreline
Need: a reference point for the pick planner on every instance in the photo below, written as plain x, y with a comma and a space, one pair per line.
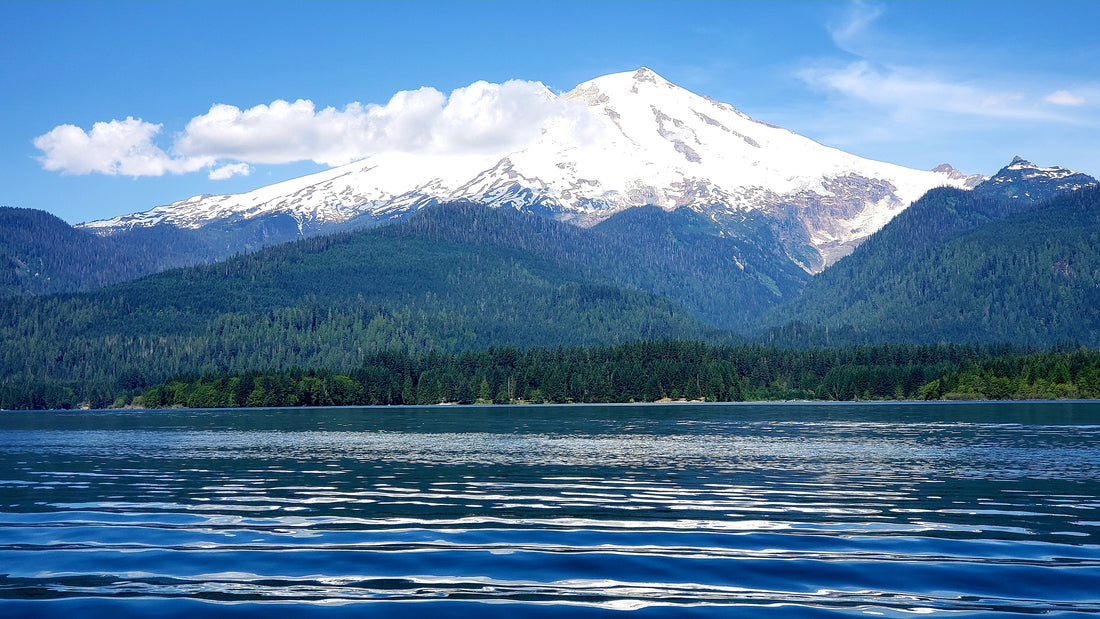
666, 403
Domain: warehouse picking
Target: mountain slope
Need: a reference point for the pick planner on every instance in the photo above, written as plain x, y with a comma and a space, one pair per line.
980, 270
630, 139
672, 254
41, 254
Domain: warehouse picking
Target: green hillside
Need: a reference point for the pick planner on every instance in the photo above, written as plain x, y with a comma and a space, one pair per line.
41, 254
453, 278
962, 268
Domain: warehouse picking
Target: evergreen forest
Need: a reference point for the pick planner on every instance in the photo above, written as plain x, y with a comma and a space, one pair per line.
962, 295
960, 267
634, 372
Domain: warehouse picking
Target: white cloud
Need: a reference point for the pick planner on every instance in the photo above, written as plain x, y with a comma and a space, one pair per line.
229, 171
1064, 97
480, 118
488, 117
912, 95
115, 148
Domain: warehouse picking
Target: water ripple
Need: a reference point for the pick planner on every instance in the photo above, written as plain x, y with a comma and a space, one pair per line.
663, 516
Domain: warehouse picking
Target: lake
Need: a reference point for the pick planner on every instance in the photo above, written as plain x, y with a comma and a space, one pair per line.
769, 510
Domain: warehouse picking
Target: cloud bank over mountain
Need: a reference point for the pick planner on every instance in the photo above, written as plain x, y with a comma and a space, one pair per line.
226, 141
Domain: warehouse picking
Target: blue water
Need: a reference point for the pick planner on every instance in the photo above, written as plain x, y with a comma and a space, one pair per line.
681, 510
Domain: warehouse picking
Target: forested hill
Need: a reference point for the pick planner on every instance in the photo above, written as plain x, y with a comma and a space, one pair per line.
41, 254
455, 277
957, 267
679, 255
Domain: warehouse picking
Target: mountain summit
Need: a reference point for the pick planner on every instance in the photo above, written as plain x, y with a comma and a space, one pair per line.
626, 140
1028, 183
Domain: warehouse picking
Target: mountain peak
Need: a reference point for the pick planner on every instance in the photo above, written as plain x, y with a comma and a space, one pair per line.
1023, 180
645, 74
969, 180
639, 140
639, 81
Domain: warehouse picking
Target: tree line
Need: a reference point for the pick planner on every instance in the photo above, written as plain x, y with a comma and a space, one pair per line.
648, 371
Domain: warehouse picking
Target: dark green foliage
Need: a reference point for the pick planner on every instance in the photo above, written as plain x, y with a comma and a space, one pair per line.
41, 254
957, 267
677, 255
450, 279
652, 371
727, 282
392, 315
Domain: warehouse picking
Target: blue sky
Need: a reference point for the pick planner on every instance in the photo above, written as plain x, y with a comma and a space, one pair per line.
913, 83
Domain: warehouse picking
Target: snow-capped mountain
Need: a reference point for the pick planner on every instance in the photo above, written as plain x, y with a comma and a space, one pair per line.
1026, 182
636, 139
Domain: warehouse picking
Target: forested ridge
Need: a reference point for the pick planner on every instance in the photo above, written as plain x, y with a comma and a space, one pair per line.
958, 267
460, 277
633, 372
456, 279
41, 254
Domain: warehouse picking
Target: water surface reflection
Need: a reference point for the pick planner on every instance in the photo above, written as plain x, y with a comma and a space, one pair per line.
888, 509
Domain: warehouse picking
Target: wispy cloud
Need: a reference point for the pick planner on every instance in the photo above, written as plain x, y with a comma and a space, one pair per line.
1064, 97
904, 90
878, 78
227, 141
853, 25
